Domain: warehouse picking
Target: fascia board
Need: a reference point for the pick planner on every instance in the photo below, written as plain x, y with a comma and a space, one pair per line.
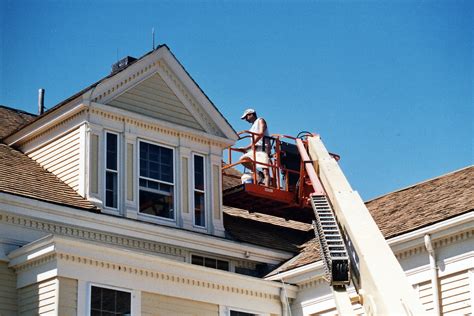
22, 206
46, 121
300, 274
438, 230
196, 92
154, 121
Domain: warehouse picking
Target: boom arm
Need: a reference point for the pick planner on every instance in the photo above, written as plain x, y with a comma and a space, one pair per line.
382, 284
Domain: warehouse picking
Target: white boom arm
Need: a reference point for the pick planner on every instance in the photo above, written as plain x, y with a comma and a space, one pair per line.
382, 284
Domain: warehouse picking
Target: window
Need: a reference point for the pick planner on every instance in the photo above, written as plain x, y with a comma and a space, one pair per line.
109, 302
210, 262
111, 170
238, 313
156, 180
199, 192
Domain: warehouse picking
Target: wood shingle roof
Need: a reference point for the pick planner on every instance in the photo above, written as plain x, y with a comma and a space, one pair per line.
12, 120
20, 175
409, 209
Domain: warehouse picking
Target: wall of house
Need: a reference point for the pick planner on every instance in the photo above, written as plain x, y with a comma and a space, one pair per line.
67, 298
39, 298
61, 157
153, 98
160, 305
8, 293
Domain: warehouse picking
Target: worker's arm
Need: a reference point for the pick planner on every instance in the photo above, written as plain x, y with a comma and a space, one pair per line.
262, 126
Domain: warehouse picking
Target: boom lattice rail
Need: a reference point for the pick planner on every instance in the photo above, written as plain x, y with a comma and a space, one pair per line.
333, 249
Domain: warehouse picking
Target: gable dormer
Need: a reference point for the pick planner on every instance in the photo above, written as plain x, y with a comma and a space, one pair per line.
143, 143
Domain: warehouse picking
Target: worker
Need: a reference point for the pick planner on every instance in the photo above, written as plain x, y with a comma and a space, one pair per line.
262, 145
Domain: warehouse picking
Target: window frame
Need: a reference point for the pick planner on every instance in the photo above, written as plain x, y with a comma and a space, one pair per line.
194, 190
117, 172
110, 287
150, 217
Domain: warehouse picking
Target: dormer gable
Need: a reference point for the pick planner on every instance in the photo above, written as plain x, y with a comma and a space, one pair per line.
145, 143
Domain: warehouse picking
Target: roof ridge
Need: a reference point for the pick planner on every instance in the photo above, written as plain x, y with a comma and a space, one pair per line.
16, 110
420, 183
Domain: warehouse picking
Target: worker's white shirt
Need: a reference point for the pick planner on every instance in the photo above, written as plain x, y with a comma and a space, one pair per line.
254, 129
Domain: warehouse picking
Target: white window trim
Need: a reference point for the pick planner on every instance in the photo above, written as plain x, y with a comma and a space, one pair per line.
113, 209
148, 217
206, 206
135, 297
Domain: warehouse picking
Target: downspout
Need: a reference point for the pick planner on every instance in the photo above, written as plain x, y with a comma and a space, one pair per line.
434, 274
285, 306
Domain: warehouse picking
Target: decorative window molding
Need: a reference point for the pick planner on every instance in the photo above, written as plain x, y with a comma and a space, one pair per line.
112, 176
157, 187
200, 208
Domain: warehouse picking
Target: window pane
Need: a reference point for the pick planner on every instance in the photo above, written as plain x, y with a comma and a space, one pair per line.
157, 204
236, 313
156, 162
199, 173
198, 260
210, 263
222, 265
112, 150
108, 300
105, 302
111, 189
199, 211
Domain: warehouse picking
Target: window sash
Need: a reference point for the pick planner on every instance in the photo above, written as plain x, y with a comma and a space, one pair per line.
110, 300
164, 207
111, 170
199, 195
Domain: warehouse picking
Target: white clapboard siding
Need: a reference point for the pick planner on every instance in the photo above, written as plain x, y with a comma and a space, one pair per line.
357, 308
8, 293
160, 305
154, 98
61, 157
455, 294
67, 293
425, 293
38, 299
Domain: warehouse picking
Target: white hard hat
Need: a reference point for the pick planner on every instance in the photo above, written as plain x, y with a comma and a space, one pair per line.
248, 111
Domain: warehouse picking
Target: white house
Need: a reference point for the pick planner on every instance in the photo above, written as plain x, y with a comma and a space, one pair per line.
111, 204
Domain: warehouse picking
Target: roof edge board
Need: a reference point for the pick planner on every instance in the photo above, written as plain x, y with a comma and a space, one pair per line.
200, 96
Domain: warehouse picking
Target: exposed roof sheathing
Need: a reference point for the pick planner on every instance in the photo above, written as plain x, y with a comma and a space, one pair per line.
265, 230
20, 175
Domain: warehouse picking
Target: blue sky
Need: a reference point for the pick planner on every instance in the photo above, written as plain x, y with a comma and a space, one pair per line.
388, 84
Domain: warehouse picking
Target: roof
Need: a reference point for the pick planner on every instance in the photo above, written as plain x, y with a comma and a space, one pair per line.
231, 178
425, 203
12, 120
408, 209
112, 74
265, 230
20, 175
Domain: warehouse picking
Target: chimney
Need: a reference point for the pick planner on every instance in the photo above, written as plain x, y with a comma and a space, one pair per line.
123, 63
40, 101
